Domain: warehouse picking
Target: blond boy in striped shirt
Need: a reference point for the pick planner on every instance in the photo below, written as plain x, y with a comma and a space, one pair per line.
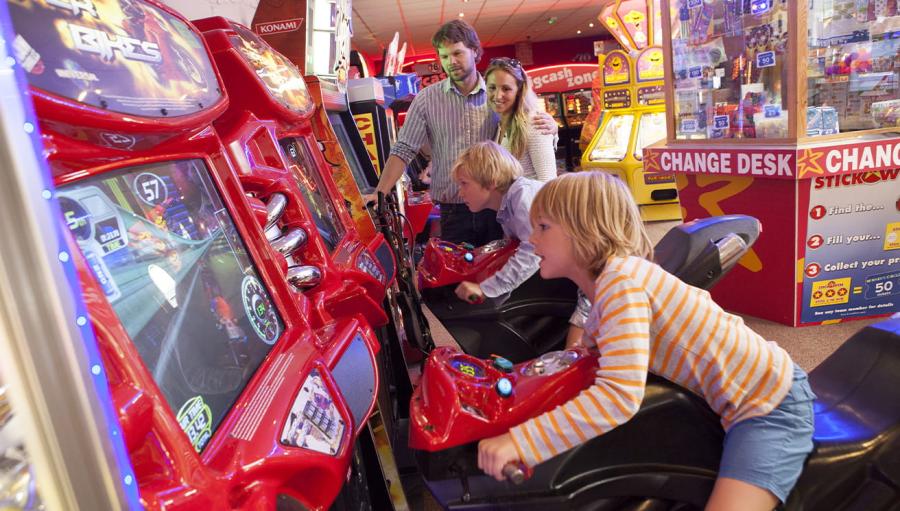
586, 227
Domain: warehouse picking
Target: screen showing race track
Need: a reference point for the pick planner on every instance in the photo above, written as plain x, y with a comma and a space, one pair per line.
175, 270
359, 174
315, 195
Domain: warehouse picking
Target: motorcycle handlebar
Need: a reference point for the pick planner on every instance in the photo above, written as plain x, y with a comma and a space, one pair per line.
516, 472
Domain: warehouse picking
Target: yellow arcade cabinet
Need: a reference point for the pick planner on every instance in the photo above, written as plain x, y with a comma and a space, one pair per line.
633, 100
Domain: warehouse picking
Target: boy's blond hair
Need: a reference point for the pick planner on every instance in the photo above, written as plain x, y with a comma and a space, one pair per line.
488, 164
598, 213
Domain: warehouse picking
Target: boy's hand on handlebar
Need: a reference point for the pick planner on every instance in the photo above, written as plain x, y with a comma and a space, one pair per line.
469, 292
495, 453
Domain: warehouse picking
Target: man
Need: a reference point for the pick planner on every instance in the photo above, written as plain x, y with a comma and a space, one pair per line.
450, 116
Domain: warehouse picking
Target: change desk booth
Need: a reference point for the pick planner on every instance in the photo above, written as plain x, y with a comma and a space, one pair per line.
789, 111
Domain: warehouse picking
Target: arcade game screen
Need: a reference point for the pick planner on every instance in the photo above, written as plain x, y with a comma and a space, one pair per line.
552, 107
178, 276
314, 193
578, 106
340, 131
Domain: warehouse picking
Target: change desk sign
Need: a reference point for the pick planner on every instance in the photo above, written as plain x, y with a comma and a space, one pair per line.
852, 262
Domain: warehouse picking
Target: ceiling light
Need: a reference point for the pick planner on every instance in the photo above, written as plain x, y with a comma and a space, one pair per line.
579, 31
551, 20
591, 25
462, 15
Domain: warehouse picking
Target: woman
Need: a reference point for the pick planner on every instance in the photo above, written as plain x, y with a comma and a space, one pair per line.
510, 95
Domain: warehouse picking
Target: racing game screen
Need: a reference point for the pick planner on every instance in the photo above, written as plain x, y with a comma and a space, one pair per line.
359, 175
303, 168
175, 270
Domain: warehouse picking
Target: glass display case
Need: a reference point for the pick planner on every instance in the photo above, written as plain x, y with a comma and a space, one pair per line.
730, 68
852, 66
734, 74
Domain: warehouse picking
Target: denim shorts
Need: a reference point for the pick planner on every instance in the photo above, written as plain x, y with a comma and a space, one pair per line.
769, 451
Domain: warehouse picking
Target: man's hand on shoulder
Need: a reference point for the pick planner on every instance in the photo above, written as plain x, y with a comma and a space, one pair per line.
544, 123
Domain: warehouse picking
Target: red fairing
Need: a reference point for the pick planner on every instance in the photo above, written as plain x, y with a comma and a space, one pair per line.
418, 207
447, 263
215, 363
458, 402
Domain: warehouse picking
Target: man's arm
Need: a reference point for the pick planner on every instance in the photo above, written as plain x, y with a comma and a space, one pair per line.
413, 135
393, 169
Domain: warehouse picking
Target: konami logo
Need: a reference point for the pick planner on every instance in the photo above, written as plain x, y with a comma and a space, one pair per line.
277, 27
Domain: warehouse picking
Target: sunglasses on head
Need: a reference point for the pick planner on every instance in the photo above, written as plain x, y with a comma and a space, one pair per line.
506, 61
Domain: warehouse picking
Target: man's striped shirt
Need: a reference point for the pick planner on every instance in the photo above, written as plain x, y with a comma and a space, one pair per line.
450, 123
645, 319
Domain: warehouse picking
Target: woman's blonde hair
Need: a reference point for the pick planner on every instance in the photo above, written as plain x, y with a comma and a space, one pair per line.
488, 164
525, 104
598, 213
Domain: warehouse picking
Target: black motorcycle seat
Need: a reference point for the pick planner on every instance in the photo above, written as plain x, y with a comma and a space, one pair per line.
858, 395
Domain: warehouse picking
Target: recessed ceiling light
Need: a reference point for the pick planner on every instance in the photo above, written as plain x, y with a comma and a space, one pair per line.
591, 25
551, 21
579, 31
462, 15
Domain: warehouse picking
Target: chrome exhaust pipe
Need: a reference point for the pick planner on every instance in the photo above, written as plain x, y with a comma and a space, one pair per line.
275, 208
304, 277
294, 239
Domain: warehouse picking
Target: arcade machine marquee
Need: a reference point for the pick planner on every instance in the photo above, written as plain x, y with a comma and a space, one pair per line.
227, 396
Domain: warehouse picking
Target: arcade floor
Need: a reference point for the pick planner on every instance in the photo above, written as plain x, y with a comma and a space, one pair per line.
808, 346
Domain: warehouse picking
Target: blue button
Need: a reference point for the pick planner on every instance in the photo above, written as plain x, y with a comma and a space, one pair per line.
469, 257
503, 364
504, 387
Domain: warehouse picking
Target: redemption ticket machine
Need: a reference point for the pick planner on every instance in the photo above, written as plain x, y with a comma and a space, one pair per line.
230, 394
635, 116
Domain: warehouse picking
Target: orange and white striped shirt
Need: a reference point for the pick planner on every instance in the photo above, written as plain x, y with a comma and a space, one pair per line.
645, 319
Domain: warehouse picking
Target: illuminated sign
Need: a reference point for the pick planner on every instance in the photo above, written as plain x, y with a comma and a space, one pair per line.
562, 78
366, 126
278, 27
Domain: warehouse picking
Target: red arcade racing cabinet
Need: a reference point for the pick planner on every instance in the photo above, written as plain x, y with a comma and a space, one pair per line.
227, 395
280, 161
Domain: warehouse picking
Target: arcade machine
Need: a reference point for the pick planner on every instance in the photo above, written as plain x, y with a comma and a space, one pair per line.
60, 446
633, 101
324, 55
372, 101
229, 391
595, 116
279, 161
635, 117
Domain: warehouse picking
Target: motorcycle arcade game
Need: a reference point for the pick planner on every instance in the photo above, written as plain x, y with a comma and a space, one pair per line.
230, 392
854, 464
667, 456
272, 88
638, 465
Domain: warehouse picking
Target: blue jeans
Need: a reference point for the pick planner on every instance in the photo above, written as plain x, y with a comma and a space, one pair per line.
459, 225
